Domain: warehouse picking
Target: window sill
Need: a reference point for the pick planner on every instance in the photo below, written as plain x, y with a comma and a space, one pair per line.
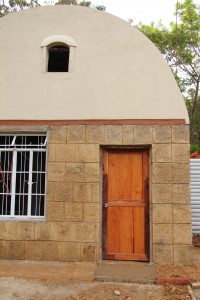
23, 219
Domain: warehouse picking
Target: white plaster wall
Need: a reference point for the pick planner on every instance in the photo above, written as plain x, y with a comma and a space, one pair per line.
117, 73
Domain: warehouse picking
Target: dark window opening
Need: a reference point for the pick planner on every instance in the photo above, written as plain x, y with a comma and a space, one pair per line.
58, 59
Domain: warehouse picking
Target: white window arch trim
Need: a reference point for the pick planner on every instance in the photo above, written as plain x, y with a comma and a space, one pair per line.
56, 40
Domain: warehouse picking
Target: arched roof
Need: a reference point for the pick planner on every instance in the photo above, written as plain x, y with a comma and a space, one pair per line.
115, 73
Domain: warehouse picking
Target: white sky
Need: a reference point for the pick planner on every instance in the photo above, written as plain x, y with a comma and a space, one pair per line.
145, 11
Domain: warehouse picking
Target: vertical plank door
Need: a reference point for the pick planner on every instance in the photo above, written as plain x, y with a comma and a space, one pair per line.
125, 205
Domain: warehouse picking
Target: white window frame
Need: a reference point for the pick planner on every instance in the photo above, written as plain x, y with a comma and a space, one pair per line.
26, 148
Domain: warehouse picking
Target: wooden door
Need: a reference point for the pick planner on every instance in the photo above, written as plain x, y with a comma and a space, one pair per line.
125, 205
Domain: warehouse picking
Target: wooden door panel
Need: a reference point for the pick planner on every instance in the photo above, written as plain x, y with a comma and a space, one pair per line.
120, 229
125, 205
139, 230
125, 170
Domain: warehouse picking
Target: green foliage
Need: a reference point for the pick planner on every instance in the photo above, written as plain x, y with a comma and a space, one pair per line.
180, 45
11, 6
81, 3
100, 7
66, 2
194, 148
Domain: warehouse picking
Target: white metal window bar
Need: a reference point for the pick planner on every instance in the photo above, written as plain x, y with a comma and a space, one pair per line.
22, 176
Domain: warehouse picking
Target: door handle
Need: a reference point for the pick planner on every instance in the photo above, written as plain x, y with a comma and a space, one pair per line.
105, 205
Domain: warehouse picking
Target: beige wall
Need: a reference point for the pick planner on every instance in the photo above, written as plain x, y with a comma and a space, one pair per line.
117, 72
72, 230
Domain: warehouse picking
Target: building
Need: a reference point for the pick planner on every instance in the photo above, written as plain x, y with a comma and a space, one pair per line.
94, 142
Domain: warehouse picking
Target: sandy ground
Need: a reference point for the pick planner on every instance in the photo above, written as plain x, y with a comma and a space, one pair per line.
27, 289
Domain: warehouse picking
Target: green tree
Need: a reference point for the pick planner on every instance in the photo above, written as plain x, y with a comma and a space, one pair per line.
10, 6
81, 3
180, 45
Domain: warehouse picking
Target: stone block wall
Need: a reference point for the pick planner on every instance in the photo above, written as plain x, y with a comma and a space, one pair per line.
72, 230
171, 215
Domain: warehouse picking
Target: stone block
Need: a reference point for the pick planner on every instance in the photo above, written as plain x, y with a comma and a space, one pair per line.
51, 152
95, 192
161, 193
70, 252
59, 191
65, 152
128, 134
75, 172
180, 173
1, 230
57, 135
4, 249
10, 231
92, 171
181, 153
195, 285
16, 250
34, 250
52, 251
87, 153
55, 211
182, 255
82, 192
163, 254
56, 171
162, 213
73, 211
26, 231
143, 134
180, 134
76, 134
181, 193
63, 231
162, 234
161, 153
181, 213
88, 252
161, 134
95, 134
86, 232
82, 172
182, 234
162, 173
64, 192
51, 191
113, 134
44, 231
91, 212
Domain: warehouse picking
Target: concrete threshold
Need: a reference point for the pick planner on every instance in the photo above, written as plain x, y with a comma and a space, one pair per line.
118, 271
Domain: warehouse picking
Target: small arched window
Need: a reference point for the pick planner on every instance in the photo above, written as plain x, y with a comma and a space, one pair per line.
58, 58
58, 53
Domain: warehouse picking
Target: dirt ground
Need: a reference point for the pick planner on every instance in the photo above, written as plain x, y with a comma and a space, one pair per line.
27, 289
13, 288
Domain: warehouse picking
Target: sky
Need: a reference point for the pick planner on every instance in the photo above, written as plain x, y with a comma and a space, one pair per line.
145, 11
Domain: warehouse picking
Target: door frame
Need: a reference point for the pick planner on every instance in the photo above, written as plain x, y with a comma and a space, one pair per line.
142, 148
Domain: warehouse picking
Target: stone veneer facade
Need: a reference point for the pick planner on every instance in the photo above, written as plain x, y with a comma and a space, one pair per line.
72, 230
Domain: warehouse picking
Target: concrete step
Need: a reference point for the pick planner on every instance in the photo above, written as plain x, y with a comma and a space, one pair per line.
48, 270
118, 271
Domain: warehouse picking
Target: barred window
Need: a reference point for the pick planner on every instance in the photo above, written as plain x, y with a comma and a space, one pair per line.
22, 176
